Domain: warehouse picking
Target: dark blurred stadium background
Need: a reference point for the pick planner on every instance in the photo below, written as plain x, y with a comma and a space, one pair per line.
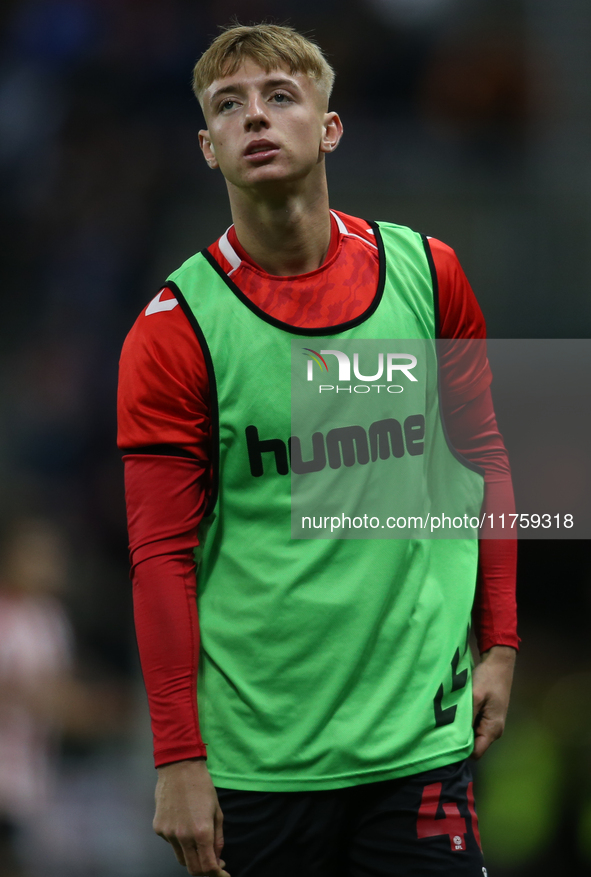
467, 119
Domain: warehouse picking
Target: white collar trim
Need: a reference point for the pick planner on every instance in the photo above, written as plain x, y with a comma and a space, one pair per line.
229, 253
344, 230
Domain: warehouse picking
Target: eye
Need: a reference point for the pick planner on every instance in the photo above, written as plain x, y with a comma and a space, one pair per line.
227, 105
280, 98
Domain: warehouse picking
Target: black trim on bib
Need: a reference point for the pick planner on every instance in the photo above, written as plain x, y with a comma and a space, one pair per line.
435, 282
459, 457
213, 396
300, 330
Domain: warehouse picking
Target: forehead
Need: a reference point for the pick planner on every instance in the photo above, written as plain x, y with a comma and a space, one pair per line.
250, 75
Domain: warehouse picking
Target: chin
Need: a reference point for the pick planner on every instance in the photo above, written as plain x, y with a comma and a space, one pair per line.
270, 173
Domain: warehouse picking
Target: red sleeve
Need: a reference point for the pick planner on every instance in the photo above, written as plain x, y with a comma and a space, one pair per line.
459, 312
465, 363
163, 396
473, 431
165, 506
163, 404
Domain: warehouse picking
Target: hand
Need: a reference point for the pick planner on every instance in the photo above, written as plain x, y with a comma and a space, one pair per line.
491, 687
189, 817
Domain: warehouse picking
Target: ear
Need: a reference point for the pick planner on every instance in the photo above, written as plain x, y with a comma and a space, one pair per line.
331, 133
207, 149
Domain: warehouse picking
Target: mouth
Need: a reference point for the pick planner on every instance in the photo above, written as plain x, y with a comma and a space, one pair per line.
260, 150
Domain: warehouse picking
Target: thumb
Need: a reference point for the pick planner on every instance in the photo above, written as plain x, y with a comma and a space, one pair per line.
481, 744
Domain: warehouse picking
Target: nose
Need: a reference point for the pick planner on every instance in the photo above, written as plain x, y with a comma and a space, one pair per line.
255, 116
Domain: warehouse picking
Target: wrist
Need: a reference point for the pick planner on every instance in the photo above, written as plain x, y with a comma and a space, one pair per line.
500, 655
176, 766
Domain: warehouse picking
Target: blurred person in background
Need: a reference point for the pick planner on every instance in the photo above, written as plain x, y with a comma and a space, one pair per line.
296, 749
35, 663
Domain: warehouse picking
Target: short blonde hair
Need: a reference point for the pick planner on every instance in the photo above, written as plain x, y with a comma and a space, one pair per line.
268, 45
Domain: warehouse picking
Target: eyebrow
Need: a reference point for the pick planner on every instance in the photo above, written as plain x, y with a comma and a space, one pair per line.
237, 86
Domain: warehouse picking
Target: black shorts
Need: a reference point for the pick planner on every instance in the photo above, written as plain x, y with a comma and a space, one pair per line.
417, 826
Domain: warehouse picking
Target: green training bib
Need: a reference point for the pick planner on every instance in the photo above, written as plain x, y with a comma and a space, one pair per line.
328, 661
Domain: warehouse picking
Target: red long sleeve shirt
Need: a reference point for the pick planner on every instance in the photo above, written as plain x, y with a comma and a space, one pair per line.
164, 428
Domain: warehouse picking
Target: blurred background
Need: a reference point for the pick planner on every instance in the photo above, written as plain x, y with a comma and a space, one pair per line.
469, 120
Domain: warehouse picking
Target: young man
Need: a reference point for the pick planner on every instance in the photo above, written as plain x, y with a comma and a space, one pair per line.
334, 675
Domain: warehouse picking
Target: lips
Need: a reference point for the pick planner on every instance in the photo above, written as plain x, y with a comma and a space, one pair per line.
260, 149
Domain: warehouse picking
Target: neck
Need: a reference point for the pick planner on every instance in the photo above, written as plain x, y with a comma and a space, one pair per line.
285, 234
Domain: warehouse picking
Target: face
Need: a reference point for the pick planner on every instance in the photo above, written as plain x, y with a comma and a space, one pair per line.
266, 129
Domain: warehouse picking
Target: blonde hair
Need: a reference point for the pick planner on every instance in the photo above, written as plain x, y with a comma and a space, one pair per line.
268, 45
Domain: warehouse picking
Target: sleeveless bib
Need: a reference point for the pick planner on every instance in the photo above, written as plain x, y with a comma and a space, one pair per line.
328, 662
